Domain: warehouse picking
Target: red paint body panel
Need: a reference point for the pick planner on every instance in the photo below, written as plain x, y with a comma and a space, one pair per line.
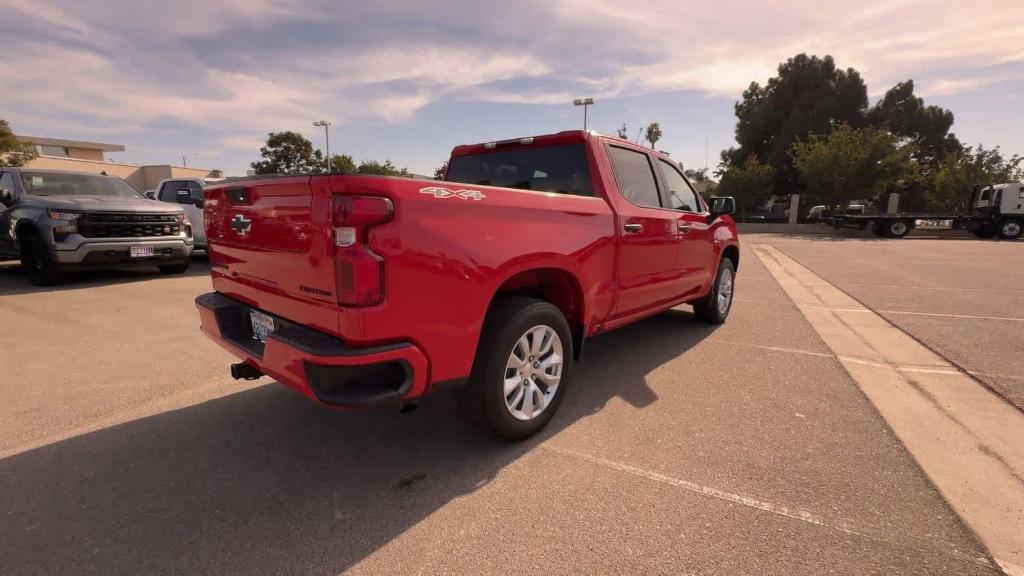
446, 257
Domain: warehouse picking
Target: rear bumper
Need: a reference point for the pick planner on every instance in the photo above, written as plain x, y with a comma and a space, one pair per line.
317, 365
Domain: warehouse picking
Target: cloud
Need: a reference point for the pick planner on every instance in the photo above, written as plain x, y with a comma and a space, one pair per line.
947, 86
234, 70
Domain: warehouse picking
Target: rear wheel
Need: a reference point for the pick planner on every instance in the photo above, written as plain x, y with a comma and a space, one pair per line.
35, 259
520, 372
174, 268
714, 308
1010, 229
877, 228
896, 228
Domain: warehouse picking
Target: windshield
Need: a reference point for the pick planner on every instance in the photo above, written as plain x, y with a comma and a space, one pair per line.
560, 169
59, 184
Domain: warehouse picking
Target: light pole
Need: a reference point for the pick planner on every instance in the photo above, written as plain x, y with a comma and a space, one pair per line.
583, 102
327, 140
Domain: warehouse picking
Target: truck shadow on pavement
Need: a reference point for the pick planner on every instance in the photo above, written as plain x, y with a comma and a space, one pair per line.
265, 482
14, 280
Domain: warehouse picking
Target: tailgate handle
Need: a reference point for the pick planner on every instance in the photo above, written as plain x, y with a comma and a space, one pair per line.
633, 228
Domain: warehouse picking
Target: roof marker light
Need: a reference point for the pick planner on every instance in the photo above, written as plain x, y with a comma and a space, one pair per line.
525, 141
490, 145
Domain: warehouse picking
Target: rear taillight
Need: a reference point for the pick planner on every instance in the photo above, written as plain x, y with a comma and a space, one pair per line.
359, 272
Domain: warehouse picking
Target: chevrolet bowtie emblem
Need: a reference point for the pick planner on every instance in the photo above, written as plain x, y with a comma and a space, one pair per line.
241, 224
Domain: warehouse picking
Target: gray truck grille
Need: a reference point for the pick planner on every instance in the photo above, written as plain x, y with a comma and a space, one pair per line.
115, 225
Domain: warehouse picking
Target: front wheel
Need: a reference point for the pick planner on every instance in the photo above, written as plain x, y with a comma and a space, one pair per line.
521, 369
35, 259
714, 308
1010, 229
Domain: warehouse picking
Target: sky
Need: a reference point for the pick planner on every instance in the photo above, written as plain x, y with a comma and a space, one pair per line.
407, 80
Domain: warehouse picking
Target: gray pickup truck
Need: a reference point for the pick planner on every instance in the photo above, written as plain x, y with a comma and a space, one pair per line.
57, 221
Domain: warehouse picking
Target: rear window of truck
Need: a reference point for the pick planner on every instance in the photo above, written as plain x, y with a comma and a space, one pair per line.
562, 169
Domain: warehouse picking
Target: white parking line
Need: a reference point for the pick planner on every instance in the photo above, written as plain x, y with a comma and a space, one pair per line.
774, 348
794, 513
942, 288
1002, 318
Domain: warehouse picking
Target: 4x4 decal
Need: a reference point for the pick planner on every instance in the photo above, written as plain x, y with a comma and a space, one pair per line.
439, 192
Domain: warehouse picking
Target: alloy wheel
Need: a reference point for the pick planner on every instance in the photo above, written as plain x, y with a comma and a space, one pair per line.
532, 372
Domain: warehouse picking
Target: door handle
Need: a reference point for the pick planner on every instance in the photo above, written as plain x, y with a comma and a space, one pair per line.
683, 227
633, 228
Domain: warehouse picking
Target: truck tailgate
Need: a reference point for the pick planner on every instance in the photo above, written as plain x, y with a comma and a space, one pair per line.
270, 246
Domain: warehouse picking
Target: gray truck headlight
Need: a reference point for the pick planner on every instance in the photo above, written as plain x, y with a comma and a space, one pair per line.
69, 224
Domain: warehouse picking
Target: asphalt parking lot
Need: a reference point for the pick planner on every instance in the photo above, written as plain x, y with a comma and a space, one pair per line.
680, 448
962, 298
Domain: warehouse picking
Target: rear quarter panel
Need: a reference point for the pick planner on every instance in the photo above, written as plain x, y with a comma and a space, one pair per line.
447, 255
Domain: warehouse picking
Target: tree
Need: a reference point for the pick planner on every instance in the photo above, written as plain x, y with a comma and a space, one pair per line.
439, 172
13, 152
748, 183
960, 172
622, 132
809, 96
852, 163
382, 169
652, 134
288, 153
342, 163
903, 114
697, 175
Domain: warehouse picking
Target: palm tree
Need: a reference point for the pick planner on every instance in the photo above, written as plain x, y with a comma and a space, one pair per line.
653, 133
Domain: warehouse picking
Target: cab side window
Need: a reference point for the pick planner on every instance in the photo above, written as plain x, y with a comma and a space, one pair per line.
169, 190
635, 176
196, 190
680, 195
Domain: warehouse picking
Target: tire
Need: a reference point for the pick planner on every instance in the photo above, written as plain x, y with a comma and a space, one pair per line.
877, 229
1011, 228
35, 259
174, 268
517, 326
985, 231
714, 308
896, 228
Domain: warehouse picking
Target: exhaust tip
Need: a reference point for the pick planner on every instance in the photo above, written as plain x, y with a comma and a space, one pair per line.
243, 371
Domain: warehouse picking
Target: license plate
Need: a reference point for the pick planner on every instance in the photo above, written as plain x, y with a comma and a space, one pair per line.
140, 251
261, 325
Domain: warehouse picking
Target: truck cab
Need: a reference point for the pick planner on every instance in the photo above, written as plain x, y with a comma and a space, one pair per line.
1000, 209
189, 195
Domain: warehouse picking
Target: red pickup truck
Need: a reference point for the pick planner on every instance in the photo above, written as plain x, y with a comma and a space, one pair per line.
357, 290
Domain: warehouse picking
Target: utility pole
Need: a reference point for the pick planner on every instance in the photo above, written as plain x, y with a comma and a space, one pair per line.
327, 141
585, 102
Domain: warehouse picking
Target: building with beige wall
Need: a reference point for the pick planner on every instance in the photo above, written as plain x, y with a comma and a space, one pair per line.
82, 156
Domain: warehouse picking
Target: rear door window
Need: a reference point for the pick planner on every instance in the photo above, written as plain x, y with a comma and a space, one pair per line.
635, 176
562, 169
